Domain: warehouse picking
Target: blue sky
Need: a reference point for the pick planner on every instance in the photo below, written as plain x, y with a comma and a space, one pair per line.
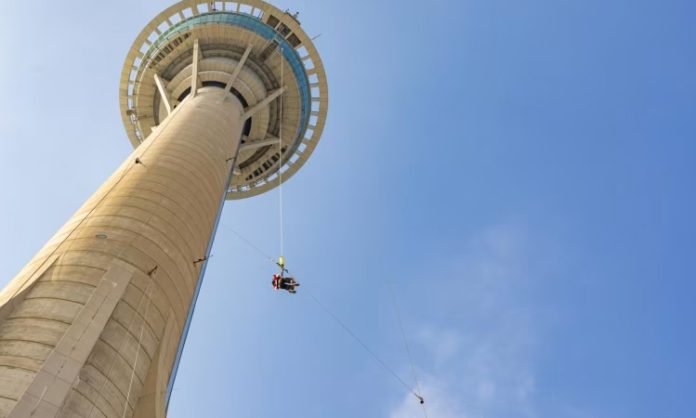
522, 171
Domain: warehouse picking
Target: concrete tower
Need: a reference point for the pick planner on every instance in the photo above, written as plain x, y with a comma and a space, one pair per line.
221, 100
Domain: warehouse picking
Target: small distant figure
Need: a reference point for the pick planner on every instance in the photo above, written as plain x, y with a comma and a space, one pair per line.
285, 283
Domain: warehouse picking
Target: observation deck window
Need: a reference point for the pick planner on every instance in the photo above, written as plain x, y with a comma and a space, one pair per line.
272, 21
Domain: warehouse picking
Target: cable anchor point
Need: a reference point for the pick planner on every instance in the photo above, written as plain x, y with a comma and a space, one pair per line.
281, 263
152, 271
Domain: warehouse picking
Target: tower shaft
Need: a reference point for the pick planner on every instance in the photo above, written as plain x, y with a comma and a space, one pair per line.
91, 326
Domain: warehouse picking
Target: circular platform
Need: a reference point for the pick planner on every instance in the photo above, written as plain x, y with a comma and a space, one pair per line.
274, 51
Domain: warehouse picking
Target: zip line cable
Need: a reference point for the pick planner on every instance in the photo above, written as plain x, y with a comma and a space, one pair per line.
408, 350
341, 324
281, 261
251, 244
359, 341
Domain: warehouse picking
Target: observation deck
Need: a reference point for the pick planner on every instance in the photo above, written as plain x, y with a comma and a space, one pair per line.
252, 49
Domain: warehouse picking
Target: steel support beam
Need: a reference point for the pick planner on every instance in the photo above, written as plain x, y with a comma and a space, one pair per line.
194, 68
258, 144
164, 95
249, 112
237, 69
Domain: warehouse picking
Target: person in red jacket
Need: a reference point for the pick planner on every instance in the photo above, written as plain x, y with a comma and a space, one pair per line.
285, 283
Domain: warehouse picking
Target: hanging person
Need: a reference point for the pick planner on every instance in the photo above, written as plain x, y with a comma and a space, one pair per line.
285, 283
289, 284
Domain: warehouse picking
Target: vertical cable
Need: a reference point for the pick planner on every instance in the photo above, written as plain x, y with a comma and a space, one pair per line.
138, 348
280, 156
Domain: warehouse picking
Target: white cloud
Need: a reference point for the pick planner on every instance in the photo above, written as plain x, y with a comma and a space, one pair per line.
443, 344
479, 359
440, 403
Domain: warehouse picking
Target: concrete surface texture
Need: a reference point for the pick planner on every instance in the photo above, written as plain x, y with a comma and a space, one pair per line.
90, 326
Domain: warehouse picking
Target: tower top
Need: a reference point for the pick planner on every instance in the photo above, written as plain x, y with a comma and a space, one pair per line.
252, 49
